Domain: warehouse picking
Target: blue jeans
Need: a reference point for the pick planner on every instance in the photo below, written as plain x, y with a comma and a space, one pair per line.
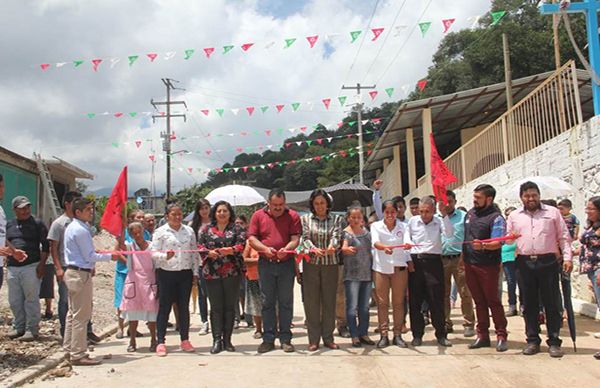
277, 291
593, 276
63, 308
358, 294
510, 273
202, 298
24, 297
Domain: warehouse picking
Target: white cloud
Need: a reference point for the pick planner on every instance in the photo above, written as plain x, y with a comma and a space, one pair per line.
45, 111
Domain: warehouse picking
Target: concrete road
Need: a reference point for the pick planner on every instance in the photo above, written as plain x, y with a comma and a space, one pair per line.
427, 366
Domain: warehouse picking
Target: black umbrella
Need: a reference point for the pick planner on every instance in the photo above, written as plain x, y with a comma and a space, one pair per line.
565, 282
344, 194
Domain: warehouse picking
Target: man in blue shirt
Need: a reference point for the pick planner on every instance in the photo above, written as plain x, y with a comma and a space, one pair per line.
80, 258
454, 267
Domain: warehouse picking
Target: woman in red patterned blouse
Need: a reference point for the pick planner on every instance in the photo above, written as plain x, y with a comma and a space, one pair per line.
222, 267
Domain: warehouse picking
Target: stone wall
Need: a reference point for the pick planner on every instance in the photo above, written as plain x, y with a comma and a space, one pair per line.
573, 156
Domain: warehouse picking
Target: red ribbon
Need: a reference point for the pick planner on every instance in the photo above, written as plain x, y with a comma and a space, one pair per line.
489, 240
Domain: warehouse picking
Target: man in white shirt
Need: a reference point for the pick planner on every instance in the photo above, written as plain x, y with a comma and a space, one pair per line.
426, 282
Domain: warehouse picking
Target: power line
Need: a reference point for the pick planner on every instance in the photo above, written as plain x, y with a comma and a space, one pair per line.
362, 40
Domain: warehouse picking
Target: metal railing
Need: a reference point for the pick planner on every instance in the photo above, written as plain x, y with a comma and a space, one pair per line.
549, 110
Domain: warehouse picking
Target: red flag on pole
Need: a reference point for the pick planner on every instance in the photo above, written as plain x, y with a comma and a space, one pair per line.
112, 219
441, 176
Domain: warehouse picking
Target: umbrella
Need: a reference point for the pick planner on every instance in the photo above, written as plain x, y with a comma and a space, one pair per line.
344, 194
565, 282
550, 187
236, 195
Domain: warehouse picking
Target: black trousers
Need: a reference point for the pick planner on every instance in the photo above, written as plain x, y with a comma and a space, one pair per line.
173, 287
540, 279
223, 295
426, 284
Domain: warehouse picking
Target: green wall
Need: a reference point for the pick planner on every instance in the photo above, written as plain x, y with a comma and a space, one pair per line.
18, 182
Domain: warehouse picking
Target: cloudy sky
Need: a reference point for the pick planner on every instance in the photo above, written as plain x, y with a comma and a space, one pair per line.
45, 110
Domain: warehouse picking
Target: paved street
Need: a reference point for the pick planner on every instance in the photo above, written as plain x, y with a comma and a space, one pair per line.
428, 366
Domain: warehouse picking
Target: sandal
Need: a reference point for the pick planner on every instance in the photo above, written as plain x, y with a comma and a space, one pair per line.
119, 335
131, 349
257, 335
152, 347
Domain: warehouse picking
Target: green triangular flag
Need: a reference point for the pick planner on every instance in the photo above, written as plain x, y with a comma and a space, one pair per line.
227, 49
264, 108
351, 123
295, 106
280, 131
77, 63
281, 164
91, 115
226, 169
389, 91
352, 154
309, 142
253, 168
342, 100
220, 112
189, 53
424, 26
257, 132
132, 58
115, 144
219, 135
496, 16
289, 42
354, 35
132, 114
326, 157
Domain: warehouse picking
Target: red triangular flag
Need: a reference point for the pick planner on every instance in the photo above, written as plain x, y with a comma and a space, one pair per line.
190, 170
320, 141
208, 152
243, 133
279, 108
376, 120
441, 176
288, 145
245, 168
151, 157
268, 132
96, 63
114, 212
326, 102
303, 129
369, 152
247, 46
312, 40
44, 66
373, 94
421, 84
208, 51
118, 114
205, 111
250, 110
376, 33
152, 56
138, 143
447, 24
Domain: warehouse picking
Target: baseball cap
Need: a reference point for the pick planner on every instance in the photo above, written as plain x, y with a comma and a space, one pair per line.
20, 202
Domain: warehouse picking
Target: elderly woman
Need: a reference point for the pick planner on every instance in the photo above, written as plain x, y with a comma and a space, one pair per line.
589, 257
223, 268
321, 235
173, 246
200, 220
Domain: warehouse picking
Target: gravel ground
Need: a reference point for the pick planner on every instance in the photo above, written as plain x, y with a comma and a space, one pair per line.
16, 355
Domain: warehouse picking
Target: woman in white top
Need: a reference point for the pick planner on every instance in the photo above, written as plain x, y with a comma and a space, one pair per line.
173, 246
390, 272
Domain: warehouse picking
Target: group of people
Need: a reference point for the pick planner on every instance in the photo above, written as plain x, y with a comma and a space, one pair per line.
341, 263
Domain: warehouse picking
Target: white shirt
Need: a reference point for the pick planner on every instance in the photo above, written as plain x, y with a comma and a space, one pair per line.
166, 238
428, 236
382, 262
2, 233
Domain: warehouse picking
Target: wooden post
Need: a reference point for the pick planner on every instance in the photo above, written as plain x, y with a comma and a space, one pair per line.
427, 130
410, 160
507, 72
397, 181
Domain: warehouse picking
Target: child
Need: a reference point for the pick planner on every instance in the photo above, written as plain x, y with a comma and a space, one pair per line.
253, 299
140, 299
572, 222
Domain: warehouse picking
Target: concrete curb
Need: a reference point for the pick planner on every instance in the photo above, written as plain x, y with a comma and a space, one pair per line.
50, 362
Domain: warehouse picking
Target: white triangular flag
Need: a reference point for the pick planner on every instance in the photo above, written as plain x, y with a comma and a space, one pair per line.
292, 129
114, 61
104, 113
299, 143
60, 64
170, 55
399, 29
475, 20
270, 146
270, 44
310, 105
364, 122
235, 111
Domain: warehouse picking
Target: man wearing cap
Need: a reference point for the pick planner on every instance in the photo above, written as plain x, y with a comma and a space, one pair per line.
24, 273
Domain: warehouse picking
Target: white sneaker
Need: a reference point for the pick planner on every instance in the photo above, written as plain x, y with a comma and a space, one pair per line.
597, 335
203, 328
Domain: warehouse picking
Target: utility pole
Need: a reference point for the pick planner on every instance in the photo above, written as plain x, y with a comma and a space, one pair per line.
561, 102
507, 72
166, 136
358, 106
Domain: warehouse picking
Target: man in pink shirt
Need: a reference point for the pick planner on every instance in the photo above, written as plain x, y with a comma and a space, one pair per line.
541, 229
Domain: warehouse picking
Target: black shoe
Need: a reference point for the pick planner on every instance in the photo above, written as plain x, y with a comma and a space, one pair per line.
383, 342
356, 344
217, 346
93, 338
288, 347
169, 324
426, 320
449, 330
444, 342
366, 340
555, 351
531, 349
344, 332
227, 345
266, 347
480, 343
502, 345
47, 316
398, 341
416, 342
